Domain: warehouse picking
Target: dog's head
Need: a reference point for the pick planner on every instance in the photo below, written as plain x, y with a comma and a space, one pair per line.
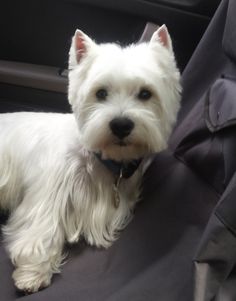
125, 100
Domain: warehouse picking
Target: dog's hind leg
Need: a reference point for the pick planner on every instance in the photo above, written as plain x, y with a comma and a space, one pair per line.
10, 182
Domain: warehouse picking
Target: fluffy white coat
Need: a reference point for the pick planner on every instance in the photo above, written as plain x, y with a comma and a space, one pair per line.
50, 180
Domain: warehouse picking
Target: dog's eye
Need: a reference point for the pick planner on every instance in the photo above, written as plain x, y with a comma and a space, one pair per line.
144, 94
101, 94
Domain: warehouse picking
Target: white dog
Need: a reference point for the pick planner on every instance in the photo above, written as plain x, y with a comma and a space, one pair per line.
67, 176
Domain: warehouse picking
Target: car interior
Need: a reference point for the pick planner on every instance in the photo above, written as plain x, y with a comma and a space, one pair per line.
181, 244
36, 37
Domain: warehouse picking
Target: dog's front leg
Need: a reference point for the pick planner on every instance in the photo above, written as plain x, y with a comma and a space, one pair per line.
34, 241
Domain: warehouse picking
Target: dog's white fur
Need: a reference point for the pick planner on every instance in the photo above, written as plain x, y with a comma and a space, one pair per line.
50, 180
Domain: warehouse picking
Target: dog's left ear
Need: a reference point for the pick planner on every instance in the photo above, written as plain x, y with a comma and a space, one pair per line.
161, 35
81, 46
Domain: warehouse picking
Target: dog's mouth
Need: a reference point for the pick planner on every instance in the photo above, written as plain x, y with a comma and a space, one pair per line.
121, 143
122, 150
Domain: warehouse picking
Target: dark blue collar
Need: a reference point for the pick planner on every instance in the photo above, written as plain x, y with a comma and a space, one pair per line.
127, 168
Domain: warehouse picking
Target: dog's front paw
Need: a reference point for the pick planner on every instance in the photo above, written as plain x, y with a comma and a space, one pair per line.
31, 281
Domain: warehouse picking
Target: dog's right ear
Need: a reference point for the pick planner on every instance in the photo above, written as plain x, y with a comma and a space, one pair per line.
80, 47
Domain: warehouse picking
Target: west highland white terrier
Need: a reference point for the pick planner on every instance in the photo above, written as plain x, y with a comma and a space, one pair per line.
67, 176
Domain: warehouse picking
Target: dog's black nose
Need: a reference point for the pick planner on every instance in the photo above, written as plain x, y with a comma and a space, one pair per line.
121, 127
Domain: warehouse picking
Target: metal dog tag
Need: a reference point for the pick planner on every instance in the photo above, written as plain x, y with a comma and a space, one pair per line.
116, 190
